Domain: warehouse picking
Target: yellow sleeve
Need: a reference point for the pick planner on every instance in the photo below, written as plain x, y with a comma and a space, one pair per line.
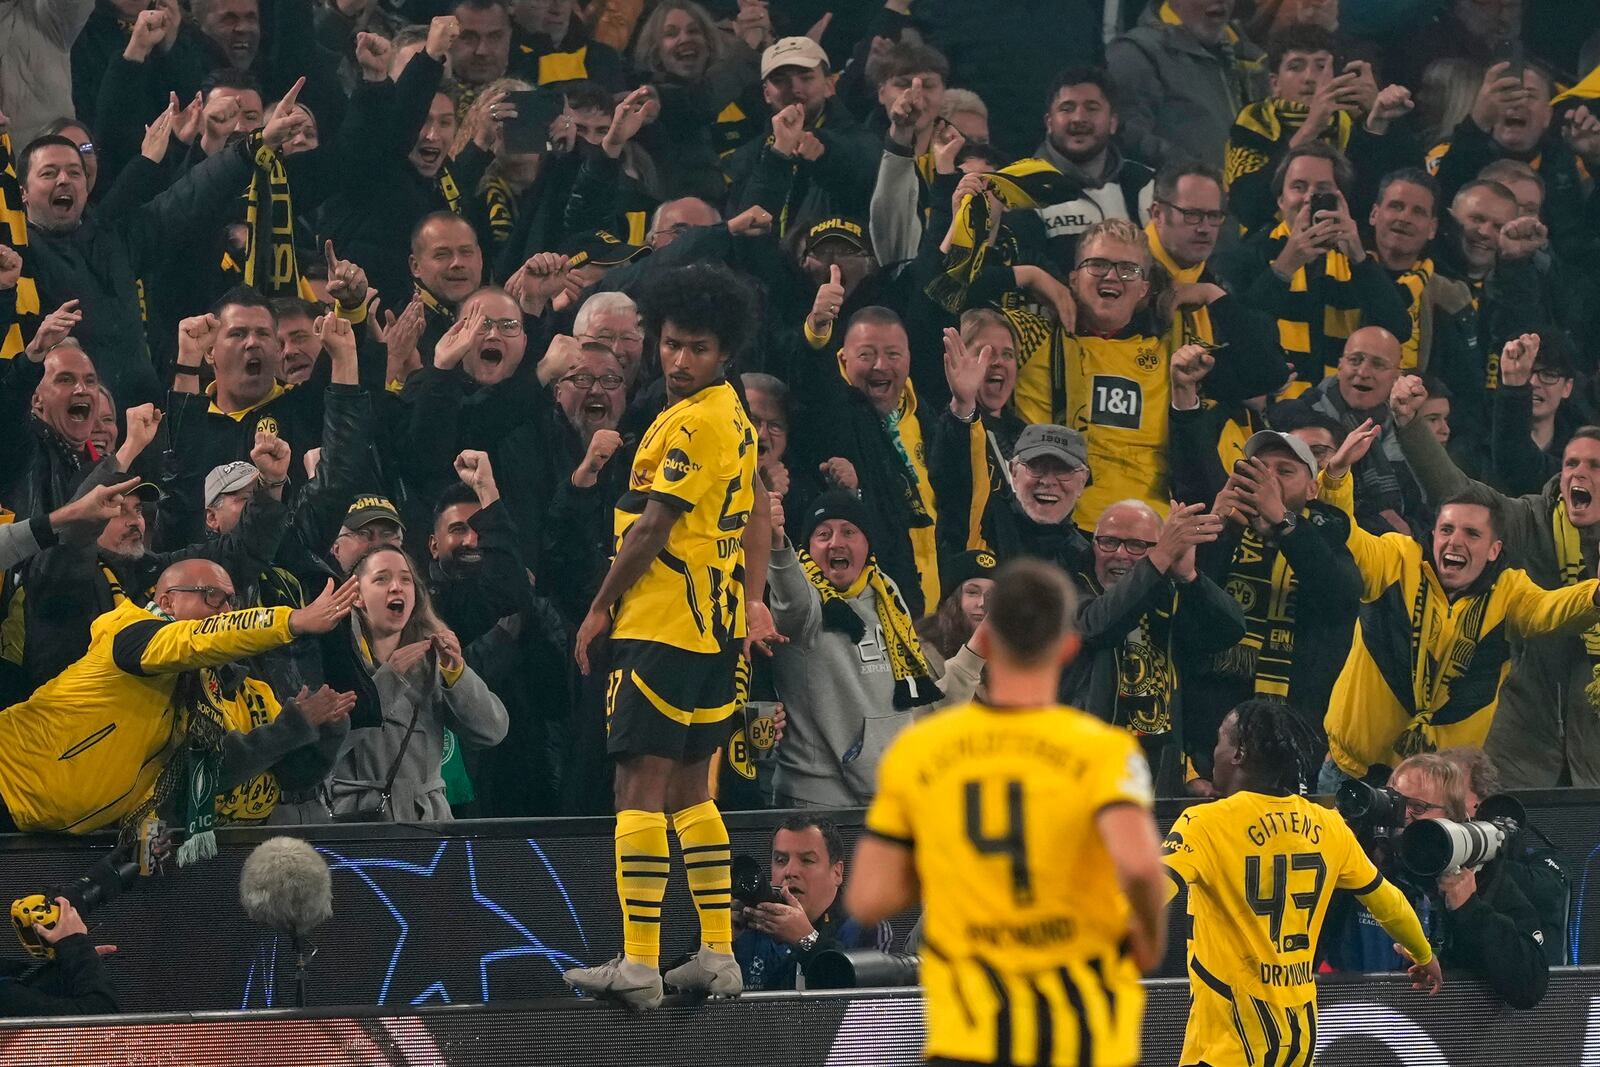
889, 817
1399, 920
1121, 775
1535, 611
691, 468
1181, 854
155, 646
1357, 873
1381, 560
1340, 493
818, 341
354, 316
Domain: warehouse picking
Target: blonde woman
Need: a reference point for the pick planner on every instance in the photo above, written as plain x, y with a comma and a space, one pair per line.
391, 772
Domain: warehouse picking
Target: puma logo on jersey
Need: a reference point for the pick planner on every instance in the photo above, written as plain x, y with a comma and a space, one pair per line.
688, 432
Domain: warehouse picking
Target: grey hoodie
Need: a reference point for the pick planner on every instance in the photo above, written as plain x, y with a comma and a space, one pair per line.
839, 695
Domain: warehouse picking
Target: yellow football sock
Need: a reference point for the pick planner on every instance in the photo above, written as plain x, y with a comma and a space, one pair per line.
643, 862
704, 841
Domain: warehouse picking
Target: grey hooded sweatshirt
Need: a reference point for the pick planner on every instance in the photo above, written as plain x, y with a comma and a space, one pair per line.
838, 694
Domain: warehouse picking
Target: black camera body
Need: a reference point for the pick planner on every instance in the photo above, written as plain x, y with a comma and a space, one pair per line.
749, 887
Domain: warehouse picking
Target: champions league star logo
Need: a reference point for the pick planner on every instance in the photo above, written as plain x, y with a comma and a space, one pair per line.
453, 941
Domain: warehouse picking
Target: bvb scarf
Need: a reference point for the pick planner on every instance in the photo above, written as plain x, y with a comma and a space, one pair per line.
1192, 324
1433, 677
1027, 184
1260, 128
1415, 283
913, 681
500, 203
270, 266
1294, 335
14, 232
1569, 555
1264, 587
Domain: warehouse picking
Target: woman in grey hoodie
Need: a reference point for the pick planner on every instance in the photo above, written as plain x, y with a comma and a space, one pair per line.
840, 691
391, 772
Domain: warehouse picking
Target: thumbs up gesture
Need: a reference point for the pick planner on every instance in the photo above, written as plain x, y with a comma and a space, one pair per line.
830, 298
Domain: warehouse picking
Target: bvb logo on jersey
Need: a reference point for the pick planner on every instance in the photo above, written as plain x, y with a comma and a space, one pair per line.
1244, 592
1147, 358
267, 424
739, 756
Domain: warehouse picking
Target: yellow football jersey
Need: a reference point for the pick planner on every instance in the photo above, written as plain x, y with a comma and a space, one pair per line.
1023, 957
252, 706
1260, 871
699, 456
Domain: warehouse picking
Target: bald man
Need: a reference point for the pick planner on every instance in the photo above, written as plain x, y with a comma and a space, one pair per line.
1145, 614
91, 745
1388, 496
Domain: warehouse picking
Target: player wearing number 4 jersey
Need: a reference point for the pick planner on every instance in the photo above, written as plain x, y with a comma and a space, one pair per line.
1260, 867
1027, 827
679, 583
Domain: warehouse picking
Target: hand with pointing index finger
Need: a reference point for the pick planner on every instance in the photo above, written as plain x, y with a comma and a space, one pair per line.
347, 282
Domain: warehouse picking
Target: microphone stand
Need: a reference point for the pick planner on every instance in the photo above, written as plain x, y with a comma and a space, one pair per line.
303, 952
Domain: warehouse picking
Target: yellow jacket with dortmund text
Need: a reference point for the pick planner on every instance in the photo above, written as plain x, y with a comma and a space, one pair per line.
87, 747
1425, 671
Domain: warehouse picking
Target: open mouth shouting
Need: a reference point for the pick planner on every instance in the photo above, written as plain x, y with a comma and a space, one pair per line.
1580, 502
79, 411
1452, 563
838, 562
396, 609
596, 410
491, 353
880, 387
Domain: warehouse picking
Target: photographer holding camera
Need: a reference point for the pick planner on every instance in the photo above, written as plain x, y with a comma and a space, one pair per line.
1478, 919
775, 940
73, 983
1531, 860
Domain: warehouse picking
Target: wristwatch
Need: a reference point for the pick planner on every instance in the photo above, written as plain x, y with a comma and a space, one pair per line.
1285, 527
808, 942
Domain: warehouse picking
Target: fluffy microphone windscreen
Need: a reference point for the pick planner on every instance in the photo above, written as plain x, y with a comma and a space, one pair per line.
285, 884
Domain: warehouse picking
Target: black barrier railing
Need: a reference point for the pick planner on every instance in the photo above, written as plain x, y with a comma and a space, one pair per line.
482, 911
1366, 1022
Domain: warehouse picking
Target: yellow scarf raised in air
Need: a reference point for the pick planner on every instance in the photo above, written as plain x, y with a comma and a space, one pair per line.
1025, 184
14, 232
913, 681
1569, 555
270, 266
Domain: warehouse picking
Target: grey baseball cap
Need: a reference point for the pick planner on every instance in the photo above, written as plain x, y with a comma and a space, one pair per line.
229, 478
1278, 439
1040, 439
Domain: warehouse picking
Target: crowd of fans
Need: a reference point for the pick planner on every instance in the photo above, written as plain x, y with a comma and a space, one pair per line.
329, 342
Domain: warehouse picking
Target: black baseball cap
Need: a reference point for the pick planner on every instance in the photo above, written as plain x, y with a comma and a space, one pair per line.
370, 509
601, 247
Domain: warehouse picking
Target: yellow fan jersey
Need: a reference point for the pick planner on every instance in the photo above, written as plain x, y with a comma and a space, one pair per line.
699, 457
253, 705
1023, 957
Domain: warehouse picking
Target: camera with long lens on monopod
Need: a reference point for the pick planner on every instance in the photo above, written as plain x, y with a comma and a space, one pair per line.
100, 884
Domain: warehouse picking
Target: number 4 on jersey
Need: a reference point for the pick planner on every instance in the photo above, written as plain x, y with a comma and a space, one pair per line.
1011, 842
1273, 903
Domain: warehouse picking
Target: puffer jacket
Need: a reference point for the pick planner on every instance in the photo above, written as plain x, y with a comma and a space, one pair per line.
36, 61
1546, 731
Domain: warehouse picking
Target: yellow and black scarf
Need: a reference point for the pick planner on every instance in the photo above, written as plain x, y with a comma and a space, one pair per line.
14, 231
1569, 555
500, 205
913, 681
270, 264
1264, 587
1026, 184
1294, 333
1261, 128
1415, 283
1193, 324
449, 190
1435, 675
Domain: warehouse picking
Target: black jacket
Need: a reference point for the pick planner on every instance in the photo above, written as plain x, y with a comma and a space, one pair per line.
1189, 623
74, 983
800, 192
41, 470
99, 265
383, 198
1497, 935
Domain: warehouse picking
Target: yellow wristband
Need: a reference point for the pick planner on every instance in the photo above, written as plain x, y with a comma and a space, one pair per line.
814, 339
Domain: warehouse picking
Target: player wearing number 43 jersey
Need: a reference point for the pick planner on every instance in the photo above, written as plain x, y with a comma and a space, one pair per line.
1260, 866
1027, 827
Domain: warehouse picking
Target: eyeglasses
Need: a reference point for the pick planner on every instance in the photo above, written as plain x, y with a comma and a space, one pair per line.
373, 533
773, 427
1418, 808
1549, 377
1131, 545
1099, 268
1049, 474
609, 382
838, 252
610, 339
507, 327
1194, 216
215, 598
